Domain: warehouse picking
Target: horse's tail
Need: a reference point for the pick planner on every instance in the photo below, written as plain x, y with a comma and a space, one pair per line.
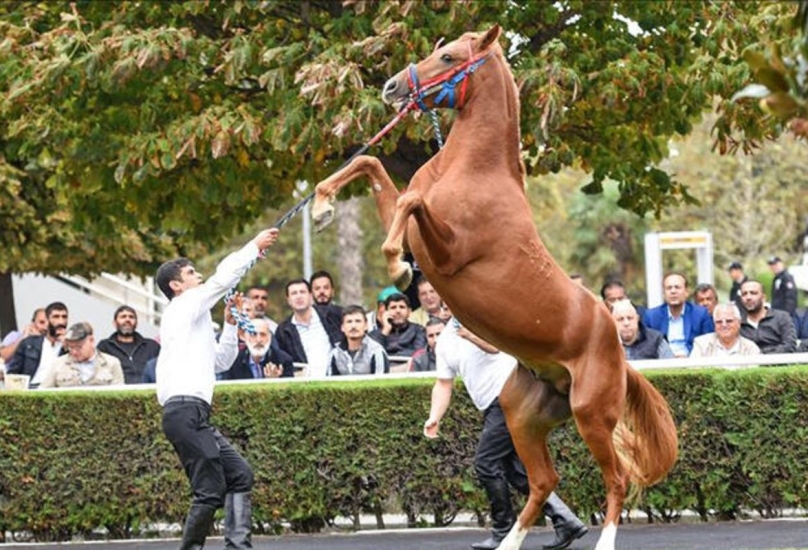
645, 437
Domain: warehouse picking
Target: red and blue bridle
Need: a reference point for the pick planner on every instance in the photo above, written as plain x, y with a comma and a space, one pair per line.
445, 83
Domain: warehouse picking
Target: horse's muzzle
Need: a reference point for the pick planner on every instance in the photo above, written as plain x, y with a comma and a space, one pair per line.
395, 90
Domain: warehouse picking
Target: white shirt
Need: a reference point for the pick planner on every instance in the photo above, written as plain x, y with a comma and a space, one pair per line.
50, 352
484, 374
316, 344
189, 356
676, 334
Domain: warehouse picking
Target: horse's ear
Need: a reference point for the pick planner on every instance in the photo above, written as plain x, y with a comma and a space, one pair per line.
490, 37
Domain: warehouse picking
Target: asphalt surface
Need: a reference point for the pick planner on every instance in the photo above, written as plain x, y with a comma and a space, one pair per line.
752, 535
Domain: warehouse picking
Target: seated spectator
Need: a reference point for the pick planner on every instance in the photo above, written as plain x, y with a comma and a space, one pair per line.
83, 365
706, 296
424, 359
375, 317
639, 342
431, 304
128, 345
398, 335
259, 358
727, 339
37, 327
771, 329
357, 353
322, 288
310, 332
35, 354
677, 319
612, 291
258, 296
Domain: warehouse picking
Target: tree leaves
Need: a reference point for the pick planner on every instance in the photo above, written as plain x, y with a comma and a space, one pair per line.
163, 105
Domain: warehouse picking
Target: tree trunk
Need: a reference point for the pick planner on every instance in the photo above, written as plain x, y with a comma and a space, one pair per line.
8, 315
350, 263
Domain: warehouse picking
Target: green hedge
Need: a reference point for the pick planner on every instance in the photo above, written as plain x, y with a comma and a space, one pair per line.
71, 462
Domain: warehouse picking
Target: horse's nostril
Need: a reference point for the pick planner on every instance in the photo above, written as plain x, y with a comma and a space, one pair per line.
390, 86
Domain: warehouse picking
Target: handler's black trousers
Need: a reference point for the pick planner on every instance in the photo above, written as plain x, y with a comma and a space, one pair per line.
212, 465
496, 458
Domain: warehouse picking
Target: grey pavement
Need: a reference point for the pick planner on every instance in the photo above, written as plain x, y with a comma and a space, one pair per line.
784, 534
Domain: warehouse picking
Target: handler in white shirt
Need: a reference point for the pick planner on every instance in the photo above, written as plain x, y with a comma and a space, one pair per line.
484, 371
186, 373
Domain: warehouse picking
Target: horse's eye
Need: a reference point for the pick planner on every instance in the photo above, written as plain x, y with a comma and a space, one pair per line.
446, 58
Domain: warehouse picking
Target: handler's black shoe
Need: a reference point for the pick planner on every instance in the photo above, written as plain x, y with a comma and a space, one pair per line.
488, 544
565, 537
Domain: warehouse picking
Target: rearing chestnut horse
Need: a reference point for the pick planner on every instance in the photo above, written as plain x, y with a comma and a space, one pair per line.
467, 221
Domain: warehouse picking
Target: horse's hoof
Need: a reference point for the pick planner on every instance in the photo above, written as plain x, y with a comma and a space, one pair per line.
322, 214
403, 280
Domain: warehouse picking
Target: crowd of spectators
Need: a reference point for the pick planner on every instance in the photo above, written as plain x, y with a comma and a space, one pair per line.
322, 339
698, 324
317, 339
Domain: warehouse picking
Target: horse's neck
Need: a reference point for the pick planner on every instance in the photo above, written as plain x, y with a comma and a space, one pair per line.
487, 129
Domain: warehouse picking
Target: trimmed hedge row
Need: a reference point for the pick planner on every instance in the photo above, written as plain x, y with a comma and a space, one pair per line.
71, 462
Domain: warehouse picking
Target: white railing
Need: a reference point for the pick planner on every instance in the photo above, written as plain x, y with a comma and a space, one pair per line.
730, 363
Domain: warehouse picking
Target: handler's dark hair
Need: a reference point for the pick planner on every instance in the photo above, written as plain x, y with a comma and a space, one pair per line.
170, 271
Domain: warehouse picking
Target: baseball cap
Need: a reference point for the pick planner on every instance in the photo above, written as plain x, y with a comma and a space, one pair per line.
79, 331
385, 293
735, 265
774, 260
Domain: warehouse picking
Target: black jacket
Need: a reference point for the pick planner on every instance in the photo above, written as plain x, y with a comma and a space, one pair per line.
784, 292
774, 334
289, 340
403, 340
26, 358
241, 366
132, 365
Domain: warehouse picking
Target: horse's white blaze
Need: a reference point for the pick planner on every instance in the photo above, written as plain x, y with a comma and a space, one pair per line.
514, 539
607, 536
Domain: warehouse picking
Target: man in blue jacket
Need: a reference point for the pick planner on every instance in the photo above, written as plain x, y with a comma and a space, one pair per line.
677, 319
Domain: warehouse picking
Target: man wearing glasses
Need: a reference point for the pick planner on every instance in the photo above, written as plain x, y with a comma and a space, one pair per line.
727, 339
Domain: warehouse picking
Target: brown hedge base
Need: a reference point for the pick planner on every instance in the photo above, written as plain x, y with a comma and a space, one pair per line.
73, 462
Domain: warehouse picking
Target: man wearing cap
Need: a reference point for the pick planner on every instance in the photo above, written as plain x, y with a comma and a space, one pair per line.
738, 278
83, 365
186, 370
784, 290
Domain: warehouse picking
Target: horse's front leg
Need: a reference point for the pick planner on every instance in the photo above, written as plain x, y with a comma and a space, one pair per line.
384, 190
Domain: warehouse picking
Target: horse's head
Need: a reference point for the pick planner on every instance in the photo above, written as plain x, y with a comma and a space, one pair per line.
441, 79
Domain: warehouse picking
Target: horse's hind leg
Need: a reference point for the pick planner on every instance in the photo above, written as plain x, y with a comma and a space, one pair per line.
400, 272
384, 190
532, 408
597, 403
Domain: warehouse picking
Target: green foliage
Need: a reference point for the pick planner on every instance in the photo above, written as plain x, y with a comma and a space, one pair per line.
779, 74
323, 450
132, 132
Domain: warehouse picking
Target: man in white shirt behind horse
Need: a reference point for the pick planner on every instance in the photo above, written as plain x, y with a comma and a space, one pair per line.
484, 370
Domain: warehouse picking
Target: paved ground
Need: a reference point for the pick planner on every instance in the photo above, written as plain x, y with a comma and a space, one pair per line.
752, 535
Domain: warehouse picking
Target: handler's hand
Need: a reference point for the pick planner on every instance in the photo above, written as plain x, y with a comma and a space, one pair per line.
236, 300
431, 427
266, 238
